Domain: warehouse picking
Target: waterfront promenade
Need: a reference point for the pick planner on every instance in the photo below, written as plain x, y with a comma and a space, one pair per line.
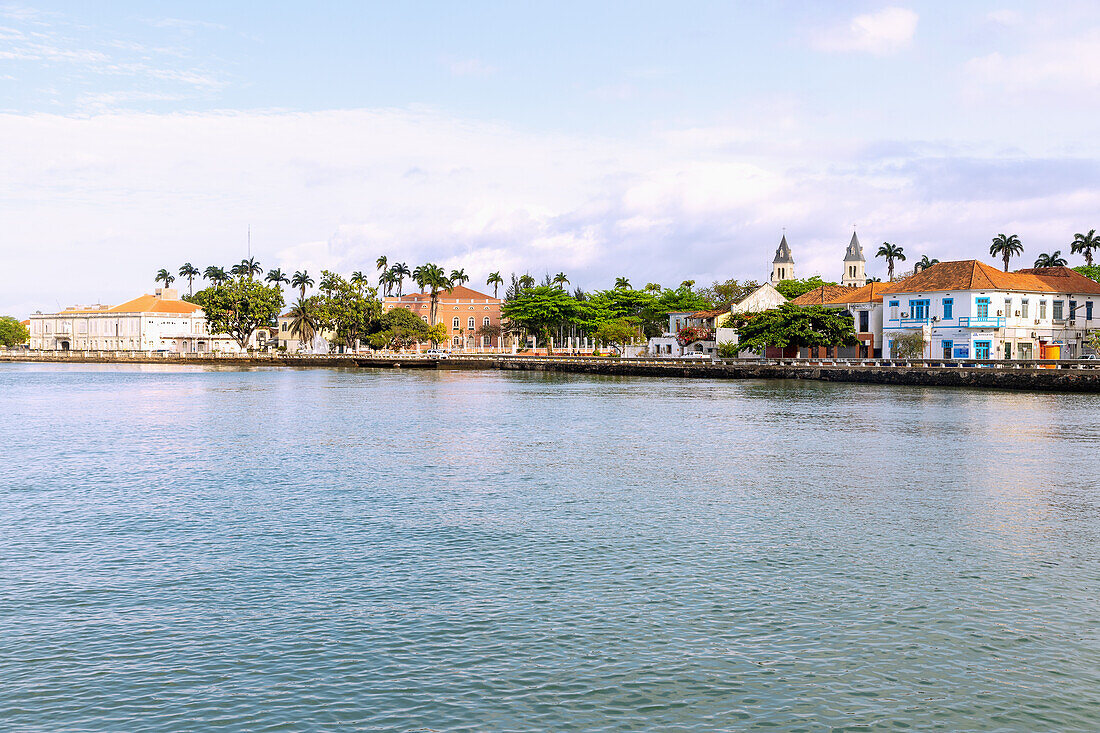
1070, 375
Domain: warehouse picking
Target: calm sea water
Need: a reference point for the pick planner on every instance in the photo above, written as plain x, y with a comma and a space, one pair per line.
260, 550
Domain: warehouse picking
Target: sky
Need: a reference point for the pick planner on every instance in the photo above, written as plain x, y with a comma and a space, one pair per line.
661, 141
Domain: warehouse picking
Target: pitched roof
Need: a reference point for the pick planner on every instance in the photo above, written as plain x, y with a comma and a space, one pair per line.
1064, 280
460, 292
869, 293
968, 275
783, 252
820, 295
152, 304
710, 313
855, 251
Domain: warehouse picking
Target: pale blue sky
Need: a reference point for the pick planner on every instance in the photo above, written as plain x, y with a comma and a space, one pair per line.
658, 140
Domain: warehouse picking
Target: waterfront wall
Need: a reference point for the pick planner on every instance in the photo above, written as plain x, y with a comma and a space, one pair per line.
1007, 375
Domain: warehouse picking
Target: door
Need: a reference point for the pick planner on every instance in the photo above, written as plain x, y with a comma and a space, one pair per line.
947, 349
981, 349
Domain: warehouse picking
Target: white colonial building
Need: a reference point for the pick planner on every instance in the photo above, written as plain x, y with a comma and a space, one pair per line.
970, 310
708, 324
157, 322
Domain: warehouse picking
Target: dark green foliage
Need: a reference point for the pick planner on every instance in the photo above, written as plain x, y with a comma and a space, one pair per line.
791, 325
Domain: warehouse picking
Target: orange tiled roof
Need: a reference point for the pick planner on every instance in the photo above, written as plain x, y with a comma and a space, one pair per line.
968, 275
1064, 280
460, 292
152, 304
820, 295
709, 314
869, 293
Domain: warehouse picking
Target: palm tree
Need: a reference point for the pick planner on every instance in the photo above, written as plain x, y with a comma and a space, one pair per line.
891, 252
621, 283
434, 278
924, 263
387, 280
527, 281
495, 280
328, 282
1054, 259
1006, 247
277, 278
303, 320
1085, 244
874, 279
164, 275
358, 279
459, 277
561, 280
190, 272
301, 280
400, 272
248, 268
381, 262
215, 274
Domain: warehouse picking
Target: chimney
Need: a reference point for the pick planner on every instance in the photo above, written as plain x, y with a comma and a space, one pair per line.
167, 293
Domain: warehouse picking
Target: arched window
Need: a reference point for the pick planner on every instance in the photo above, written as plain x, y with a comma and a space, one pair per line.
470, 322
485, 321
454, 323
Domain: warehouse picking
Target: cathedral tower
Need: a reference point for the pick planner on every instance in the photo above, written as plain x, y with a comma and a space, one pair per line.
783, 264
855, 266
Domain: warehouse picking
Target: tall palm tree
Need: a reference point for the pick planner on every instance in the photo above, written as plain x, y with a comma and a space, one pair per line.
418, 276
248, 268
358, 279
1085, 244
400, 272
459, 277
303, 320
526, 281
435, 279
874, 279
561, 280
387, 280
277, 278
215, 274
301, 280
190, 272
165, 276
924, 263
891, 252
495, 280
1054, 259
328, 282
621, 283
1006, 247
381, 262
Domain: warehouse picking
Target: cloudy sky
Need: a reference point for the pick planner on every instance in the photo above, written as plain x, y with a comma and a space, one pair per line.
658, 140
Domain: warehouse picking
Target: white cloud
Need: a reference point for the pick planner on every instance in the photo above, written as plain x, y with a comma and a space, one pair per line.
470, 67
883, 32
1046, 65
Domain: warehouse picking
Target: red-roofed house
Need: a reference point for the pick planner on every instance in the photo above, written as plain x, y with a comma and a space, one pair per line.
968, 309
472, 318
157, 322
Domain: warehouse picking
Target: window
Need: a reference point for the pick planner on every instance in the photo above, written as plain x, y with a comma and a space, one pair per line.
1088, 310
283, 326
1072, 309
1024, 351
1058, 307
983, 308
454, 323
863, 321
893, 310
1042, 310
470, 323
918, 309
485, 321
1023, 309
948, 308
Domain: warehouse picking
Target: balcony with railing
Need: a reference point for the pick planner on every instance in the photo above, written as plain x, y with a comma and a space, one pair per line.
981, 321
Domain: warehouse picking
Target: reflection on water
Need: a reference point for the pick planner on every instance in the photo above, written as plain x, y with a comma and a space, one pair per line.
187, 548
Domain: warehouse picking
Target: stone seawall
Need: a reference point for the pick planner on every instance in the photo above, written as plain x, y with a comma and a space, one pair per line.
1039, 379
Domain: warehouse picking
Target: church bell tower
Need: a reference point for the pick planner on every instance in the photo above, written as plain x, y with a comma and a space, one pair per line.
855, 266
783, 264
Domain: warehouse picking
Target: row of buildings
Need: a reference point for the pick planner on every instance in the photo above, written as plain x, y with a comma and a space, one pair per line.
964, 309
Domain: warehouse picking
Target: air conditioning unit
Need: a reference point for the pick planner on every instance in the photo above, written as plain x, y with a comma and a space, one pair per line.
1036, 321
1017, 314
1072, 322
904, 315
1034, 335
1000, 313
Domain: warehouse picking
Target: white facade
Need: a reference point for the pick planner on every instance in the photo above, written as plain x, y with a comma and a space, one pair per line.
159, 322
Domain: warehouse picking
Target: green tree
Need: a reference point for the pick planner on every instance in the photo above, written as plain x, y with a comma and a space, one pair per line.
1054, 259
277, 278
239, 307
526, 281
792, 325
165, 277
908, 346
12, 332
621, 283
791, 289
924, 263
728, 292
437, 334
892, 253
1092, 272
1085, 244
459, 277
381, 262
215, 275
247, 268
1006, 247
349, 314
301, 280
561, 280
495, 280
400, 328
304, 319
189, 271
359, 280
539, 310
400, 272
432, 277
616, 334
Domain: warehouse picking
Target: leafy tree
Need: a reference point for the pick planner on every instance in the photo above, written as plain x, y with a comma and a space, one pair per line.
908, 346
400, 328
345, 311
539, 309
216, 275
437, 334
12, 332
247, 268
892, 253
616, 334
1006, 247
792, 325
239, 307
654, 288
301, 280
359, 280
189, 271
526, 281
726, 293
1092, 272
791, 289
495, 280
1054, 259
1085, 244
165, 277
727, 350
